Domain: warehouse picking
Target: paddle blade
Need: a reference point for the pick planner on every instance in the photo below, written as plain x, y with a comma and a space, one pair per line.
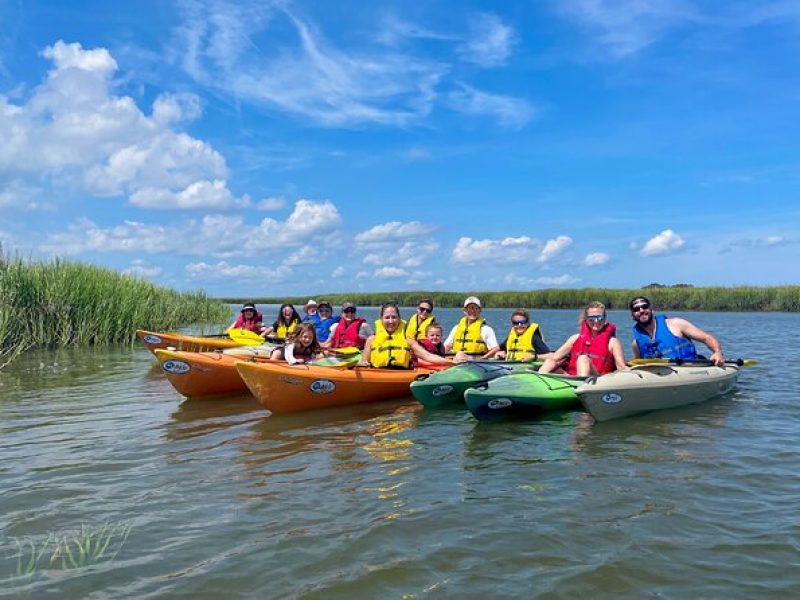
349, 350
336, 362
245, 337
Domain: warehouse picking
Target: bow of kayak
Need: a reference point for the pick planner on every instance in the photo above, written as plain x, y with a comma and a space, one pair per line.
189, 343
522, 395
201, 374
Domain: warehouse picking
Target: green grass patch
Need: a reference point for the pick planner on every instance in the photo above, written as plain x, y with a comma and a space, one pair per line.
60, 303
679, 297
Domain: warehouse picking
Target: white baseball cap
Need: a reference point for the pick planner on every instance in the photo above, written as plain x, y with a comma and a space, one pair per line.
472, 300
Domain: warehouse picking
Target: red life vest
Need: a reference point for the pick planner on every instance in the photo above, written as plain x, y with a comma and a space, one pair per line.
596, 348
347, 335
249, 324
431, 347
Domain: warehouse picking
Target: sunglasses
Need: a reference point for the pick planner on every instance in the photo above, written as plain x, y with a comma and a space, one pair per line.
349, 310
640, 307
424, 309
517, 323
596, 318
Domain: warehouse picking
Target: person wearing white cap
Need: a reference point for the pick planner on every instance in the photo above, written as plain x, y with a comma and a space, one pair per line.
471, 337
312, 315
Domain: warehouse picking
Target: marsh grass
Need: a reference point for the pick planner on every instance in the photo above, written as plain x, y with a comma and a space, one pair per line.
71, 550
681, 297
61, 303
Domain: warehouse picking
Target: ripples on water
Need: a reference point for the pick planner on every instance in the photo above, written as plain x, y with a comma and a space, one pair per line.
389, 500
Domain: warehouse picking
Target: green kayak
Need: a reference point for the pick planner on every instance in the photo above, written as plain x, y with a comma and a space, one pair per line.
522, 395
446, 388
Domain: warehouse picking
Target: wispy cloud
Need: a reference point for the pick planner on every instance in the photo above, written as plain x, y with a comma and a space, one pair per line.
507, 250
394, 230
625, 27
554, 248
308, 77
594, 259
240, 272
510, 112
490, 42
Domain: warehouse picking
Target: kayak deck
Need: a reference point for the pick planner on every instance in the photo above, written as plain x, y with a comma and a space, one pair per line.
522, 396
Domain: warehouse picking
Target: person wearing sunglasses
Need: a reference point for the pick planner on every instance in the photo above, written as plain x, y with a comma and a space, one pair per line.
326, 321
471, 338
419, 322
659, 336
350, 331
524, 341
594, 350
249, 318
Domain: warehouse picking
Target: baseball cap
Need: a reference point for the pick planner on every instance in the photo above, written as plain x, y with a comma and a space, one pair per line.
347, 305
249, 306
472, 300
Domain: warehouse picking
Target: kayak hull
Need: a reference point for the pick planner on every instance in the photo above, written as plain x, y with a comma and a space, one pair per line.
189, 343
645, 388
201, 374
446, 388
293, 388
522, 396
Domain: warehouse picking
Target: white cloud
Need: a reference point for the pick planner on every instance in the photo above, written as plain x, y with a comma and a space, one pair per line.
393, 231
663, 243
554, 247
560, 280
75, 134
338, 272
389, 273
217, 45
490, 42
214, 235
140, 268
625, 27
271, 204
774, 240
19, 195
200, 194
508, 250
307, 255
594, 259
223, 270
511, 112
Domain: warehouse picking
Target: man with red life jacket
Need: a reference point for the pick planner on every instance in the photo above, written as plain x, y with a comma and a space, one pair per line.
249, 318
595, 350
350, 331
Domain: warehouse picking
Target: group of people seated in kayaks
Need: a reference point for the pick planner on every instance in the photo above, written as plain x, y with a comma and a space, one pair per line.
396, 343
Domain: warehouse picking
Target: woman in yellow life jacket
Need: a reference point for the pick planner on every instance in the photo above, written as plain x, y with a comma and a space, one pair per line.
389, 348
419, 322
524, 342
471, 337
288, 319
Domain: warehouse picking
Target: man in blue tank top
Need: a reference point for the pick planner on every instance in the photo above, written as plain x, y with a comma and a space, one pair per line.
658, 336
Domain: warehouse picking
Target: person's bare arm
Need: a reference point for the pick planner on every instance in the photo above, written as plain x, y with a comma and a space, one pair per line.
615, 347
635, 349
419, 351
692, 332
367, 350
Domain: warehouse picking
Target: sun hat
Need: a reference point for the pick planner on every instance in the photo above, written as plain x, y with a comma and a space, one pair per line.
312, 303
472, 300
249, 306
347, 305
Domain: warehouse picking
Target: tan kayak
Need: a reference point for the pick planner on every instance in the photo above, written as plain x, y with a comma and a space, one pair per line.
645, 388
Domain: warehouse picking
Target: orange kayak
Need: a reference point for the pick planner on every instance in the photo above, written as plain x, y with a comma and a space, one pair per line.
196, 374
283, 388
189, 343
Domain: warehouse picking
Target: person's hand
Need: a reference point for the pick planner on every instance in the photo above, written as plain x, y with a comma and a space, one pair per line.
718, 358
461, 357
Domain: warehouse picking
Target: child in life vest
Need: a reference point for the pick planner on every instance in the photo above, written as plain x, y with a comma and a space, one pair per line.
302, 346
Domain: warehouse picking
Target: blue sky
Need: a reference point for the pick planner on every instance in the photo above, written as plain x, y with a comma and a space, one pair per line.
260, 148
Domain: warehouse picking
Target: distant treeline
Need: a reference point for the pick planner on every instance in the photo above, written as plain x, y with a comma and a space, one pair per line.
61, 303
679, 297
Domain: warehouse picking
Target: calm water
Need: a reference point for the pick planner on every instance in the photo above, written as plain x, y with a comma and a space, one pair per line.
220, 500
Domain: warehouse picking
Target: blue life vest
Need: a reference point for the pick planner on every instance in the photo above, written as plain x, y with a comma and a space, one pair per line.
664, 344
323, 327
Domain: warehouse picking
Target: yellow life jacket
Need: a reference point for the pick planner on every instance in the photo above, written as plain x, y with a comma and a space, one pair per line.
517, 345
417, 330
390, 350
468, 339
282, 332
